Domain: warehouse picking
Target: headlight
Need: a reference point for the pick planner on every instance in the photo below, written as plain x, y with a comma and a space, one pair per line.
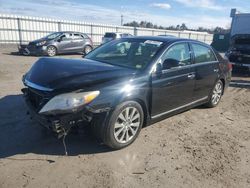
69, 102
41, 43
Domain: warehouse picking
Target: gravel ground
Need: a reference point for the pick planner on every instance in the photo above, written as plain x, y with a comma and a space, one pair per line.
198, 148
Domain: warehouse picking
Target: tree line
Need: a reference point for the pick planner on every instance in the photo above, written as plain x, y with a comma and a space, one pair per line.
181, 27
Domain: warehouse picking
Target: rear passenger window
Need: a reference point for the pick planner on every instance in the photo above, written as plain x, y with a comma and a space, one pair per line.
77, 36
203, 54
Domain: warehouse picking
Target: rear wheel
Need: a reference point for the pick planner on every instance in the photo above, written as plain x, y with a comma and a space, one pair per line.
51, 51
124, 125
216, 94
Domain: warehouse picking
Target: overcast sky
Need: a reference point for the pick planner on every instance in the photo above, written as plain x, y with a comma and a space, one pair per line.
194, 13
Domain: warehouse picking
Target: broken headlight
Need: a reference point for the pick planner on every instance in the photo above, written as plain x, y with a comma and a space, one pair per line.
68, 102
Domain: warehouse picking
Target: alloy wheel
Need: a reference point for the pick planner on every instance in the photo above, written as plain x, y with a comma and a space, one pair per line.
217, 93
87, 50
127, 125
51, 51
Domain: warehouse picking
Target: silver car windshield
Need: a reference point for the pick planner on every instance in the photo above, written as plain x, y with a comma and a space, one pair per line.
130, 53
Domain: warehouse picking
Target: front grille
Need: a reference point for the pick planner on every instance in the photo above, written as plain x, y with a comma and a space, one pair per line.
36, 98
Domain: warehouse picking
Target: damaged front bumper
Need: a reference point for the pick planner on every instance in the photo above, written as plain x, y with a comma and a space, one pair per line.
61, 124
32, 50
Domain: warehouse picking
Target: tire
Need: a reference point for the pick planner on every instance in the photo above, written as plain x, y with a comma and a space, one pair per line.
87, 49
124, 125
216, 94
51, 51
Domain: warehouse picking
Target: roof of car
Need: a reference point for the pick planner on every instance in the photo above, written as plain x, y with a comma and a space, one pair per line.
165, 39
70, 32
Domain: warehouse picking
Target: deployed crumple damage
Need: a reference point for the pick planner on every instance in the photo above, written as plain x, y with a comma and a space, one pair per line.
49, 77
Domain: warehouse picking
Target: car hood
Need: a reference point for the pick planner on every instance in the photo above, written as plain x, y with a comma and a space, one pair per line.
69, 74
34, 42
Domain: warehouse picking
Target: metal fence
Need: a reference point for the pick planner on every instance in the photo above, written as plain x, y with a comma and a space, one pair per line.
22, 29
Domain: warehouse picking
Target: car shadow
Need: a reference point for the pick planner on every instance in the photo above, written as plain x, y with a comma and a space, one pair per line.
19, 135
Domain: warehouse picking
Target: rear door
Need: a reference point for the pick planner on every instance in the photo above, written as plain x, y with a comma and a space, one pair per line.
78, 42
206, 68
174, 87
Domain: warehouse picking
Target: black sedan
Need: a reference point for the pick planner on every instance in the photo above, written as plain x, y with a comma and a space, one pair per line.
118, 91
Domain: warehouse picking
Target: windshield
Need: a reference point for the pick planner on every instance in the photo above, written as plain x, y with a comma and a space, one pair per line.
130, 53
53, 35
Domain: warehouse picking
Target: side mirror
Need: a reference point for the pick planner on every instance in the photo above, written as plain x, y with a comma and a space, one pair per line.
59, 40
170, 63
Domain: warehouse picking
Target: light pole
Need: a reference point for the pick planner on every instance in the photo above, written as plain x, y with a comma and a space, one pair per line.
121, 20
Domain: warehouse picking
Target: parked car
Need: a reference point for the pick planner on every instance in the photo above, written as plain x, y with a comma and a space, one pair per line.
239, 51
111, 36
118, 93
59, 43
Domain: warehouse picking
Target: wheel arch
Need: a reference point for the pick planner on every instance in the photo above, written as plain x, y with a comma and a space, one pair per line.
223, 82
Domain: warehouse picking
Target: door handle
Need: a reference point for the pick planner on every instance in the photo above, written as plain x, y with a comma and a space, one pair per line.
216, 70
191, 76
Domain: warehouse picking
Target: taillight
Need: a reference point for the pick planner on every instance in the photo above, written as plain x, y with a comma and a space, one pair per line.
230, 66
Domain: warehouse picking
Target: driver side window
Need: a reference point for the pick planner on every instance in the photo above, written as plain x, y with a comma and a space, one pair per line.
66, 37
176, 56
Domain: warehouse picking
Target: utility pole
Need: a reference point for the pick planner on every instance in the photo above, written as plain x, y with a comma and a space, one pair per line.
122, 20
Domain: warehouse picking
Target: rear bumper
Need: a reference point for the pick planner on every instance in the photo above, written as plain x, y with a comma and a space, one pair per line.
32, 50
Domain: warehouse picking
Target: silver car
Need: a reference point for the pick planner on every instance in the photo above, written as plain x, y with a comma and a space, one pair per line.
112, 35
59, 43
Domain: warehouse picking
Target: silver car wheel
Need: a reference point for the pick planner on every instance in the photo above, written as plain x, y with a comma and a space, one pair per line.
127, 125
87, 49
217, 93
51, 51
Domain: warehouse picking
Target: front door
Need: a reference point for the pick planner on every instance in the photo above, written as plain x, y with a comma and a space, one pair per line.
174, 86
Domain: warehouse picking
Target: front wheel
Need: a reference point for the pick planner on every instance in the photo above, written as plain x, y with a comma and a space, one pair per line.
51, 51
216, 95
124, 125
